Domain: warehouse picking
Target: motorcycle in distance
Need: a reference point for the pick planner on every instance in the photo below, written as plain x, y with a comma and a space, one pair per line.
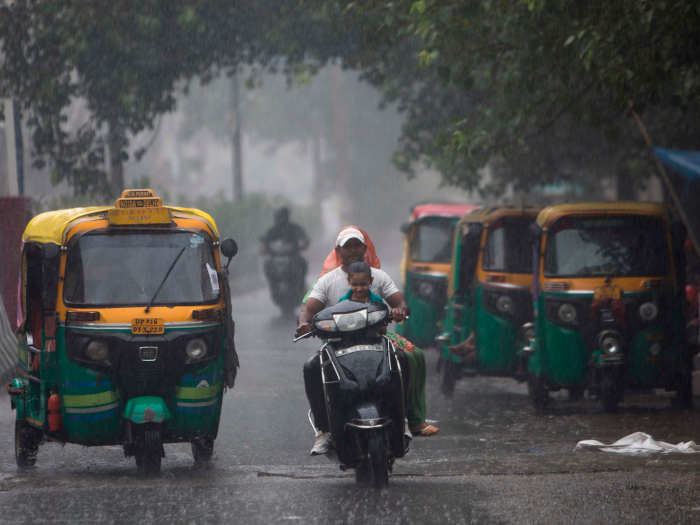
285, 270
363, 389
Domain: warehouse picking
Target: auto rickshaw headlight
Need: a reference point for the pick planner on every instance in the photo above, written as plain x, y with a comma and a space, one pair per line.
97, 350
648, 311
610, 344
567, 313
504, 304
196, 348
655, 349
425, 289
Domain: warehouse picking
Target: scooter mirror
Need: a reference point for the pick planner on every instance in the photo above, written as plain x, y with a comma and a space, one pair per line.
405, 228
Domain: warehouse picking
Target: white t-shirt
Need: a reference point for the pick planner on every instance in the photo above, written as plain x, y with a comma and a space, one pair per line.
333, 285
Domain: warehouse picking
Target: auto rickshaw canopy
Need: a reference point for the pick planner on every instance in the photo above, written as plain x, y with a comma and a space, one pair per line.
440, 209
551, 213
134, 207
491, 213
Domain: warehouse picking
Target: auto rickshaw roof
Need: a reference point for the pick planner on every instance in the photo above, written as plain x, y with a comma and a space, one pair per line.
552, 213
440, 209
491, 213
52, 226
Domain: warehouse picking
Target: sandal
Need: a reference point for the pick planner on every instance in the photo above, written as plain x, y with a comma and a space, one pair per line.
424, 429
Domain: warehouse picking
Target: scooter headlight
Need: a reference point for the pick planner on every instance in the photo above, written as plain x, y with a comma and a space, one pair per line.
196, 349
504, 304
567, 313
97, 350
610, 345
327, 325
375, 317
351, 321
648, 311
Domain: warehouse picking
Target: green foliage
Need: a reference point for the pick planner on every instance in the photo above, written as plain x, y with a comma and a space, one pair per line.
538, 90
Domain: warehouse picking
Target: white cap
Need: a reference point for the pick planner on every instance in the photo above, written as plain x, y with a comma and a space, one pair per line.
347, 234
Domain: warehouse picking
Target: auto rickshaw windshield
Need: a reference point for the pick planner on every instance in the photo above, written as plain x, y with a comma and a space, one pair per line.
126, 269
611, 246
507, 247
432, 240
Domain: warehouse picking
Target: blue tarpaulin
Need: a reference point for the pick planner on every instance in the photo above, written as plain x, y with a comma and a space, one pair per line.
686, 163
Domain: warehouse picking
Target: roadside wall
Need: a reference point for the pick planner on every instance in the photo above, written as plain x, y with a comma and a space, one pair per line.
8, 347
15, 212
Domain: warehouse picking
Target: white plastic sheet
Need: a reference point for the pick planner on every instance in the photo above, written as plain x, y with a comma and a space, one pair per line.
638, 444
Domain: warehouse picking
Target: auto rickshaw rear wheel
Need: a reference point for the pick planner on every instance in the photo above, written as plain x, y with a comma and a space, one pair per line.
27, 439
202, 450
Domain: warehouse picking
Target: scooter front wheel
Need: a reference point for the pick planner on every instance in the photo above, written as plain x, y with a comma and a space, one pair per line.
374, 468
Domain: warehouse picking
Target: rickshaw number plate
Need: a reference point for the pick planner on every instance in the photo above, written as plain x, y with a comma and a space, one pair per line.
147, 326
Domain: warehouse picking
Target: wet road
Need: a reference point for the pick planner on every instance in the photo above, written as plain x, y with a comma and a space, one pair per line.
494, 461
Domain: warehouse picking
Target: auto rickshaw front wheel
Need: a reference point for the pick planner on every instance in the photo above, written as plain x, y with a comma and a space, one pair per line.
149, 452
684, 393
537, 390
450, 374
611, 388
27, 439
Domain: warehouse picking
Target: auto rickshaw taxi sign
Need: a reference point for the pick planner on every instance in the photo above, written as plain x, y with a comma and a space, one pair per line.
136, 207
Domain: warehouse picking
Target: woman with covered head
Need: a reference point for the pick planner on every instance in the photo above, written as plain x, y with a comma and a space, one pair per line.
353, 245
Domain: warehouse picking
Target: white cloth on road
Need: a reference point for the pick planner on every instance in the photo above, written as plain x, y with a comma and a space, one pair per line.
638, 444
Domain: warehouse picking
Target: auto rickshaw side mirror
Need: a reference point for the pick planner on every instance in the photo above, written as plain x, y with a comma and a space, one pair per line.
405, 228
229, 248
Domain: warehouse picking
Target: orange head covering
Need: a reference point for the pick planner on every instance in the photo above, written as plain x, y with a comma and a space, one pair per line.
333, 260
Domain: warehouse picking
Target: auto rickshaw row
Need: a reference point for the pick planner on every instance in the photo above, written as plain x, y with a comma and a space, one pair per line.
582, 297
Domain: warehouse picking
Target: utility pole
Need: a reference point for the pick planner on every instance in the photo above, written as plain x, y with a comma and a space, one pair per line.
236, 149
12, 183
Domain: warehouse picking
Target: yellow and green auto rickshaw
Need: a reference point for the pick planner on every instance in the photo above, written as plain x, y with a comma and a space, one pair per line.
489, 293
609, 303
427, 253
126, 334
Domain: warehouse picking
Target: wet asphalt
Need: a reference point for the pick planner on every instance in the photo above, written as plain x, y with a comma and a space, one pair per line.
494, 460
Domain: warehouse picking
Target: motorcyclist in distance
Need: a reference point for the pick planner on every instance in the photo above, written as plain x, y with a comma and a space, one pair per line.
292, 236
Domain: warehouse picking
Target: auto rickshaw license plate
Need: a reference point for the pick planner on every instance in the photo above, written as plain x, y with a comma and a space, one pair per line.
147, 326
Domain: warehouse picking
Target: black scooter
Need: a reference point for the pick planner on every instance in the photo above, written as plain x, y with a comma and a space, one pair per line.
363, 389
